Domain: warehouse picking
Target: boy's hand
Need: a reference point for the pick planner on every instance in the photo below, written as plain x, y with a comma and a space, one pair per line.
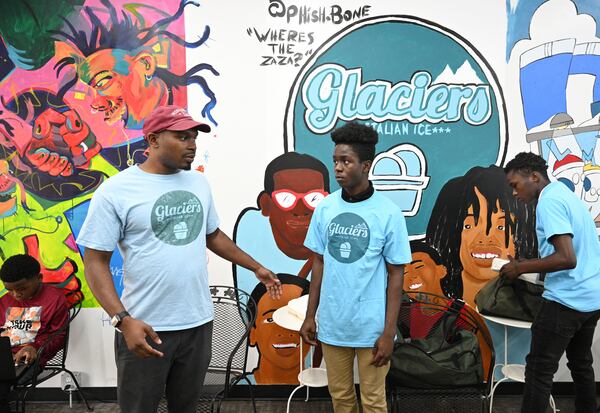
382, 351
510, 270
308, 331
26, 355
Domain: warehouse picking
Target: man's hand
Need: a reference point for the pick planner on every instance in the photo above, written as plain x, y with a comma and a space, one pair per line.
26, 355
382, 351
270, 280
135, 333
511, 269
308, 331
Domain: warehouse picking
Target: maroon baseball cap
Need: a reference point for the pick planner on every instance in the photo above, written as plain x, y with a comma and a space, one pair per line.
171, 118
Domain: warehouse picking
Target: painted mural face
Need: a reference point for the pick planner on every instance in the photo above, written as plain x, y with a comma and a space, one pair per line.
423, 275
278, 347
478, 248
296, 194
124, 85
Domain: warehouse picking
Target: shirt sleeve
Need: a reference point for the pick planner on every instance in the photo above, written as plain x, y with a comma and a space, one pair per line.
212, 218
102, 228
314, 240
396, 250
56, 315
554, 217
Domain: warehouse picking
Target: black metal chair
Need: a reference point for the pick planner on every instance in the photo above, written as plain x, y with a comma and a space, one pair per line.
53, 367
451, 399
227, 368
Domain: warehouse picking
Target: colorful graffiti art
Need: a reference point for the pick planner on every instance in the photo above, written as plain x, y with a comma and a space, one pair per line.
559, 79
77, 79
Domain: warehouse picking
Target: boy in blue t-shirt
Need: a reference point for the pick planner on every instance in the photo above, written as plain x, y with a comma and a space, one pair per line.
360, 246
570, 257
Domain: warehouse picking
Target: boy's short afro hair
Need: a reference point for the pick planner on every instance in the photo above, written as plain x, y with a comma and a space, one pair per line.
361, 137
19, 267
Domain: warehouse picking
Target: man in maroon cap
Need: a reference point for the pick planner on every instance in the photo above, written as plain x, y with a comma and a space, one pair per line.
162, 217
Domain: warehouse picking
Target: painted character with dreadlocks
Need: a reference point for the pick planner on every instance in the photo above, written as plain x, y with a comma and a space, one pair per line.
125, 64
476, 219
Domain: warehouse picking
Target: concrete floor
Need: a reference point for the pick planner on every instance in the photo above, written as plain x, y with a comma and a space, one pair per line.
502, 404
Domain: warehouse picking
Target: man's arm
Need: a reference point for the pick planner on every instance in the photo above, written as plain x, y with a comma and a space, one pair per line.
308, 331
563, 258
384, 346
99, 279
219, 243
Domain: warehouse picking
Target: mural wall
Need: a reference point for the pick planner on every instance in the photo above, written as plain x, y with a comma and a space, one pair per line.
452, 92
75, 89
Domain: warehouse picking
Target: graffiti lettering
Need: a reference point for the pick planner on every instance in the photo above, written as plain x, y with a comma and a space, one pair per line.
333, 92
282, 35
282, 44
281, 60
305, 14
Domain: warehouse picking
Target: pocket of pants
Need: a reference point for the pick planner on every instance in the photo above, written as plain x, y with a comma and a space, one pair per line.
555, 318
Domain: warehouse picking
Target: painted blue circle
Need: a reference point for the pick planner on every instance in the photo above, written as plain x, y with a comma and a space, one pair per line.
391, 50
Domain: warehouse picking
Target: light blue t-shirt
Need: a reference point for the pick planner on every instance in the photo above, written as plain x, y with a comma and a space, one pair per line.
159, 222
559, 212
356, 240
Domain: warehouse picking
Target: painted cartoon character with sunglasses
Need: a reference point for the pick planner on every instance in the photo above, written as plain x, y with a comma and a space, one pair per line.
294, 185
274, 232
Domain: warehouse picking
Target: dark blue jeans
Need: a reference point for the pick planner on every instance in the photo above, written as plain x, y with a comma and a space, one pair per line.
557, 329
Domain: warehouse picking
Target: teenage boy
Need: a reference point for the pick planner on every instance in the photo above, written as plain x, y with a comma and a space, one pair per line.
30, 312
570, 258
360, 246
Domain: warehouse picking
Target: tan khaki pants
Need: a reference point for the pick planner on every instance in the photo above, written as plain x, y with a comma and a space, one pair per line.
340, 375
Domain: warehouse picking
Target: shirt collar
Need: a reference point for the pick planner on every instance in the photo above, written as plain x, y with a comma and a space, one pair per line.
368, 193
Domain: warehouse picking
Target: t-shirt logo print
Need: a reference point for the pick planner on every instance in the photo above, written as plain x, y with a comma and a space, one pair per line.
177, 217
348, 237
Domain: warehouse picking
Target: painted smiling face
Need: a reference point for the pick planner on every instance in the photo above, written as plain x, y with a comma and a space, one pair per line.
278, 346
124, 85
297, 192
478, 246
423, 275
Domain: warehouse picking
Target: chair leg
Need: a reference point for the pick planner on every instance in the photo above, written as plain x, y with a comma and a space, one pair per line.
552, 404
250, 387
214, 399
21, 401
90, 408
